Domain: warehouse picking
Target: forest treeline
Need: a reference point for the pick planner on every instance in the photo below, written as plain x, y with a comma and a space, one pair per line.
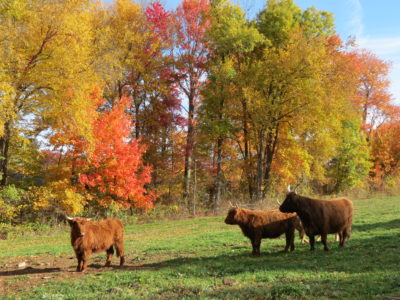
122, 106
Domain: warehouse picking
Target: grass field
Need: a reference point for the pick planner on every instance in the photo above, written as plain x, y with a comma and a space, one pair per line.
205, 259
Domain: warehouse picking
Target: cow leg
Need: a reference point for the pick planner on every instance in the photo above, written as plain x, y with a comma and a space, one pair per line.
345, 236
119, 245
85, 258
292, 241
302, 235
340, 234
110, 252
256, 243
80, 262
323, 238
289, 240
312, 242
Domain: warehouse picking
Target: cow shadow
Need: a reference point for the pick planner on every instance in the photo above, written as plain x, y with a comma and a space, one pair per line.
117, 267
29, 271
358, 256
392, 224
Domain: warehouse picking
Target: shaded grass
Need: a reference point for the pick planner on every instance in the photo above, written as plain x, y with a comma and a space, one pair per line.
191, 259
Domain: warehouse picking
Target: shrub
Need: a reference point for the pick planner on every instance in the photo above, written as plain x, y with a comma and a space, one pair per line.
10, 198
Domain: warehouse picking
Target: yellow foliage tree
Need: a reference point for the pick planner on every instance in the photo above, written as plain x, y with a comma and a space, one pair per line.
47, 60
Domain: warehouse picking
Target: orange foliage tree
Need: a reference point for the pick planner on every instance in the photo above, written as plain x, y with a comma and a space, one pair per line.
386, 152
373, 96
115, 167
110, 164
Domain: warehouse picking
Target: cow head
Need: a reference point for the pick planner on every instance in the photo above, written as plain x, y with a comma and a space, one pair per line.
289, 205
78, 226
230, 218
236, 215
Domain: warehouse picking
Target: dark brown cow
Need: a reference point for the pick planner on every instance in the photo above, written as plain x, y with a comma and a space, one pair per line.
89, 237
321, 216
259, 224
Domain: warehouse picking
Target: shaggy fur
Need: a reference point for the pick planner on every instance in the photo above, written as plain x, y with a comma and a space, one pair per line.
258, 224
89, 237
321, 216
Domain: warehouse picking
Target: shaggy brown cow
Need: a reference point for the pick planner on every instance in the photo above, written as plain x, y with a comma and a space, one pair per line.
89, 237
258, 224
321, 216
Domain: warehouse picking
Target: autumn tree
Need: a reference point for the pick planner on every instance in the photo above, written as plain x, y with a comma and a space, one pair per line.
115, 167
191, 51
282, 81
378, 114
231, 37
386, 153
109, 167
46, 61
140, 67
373, 95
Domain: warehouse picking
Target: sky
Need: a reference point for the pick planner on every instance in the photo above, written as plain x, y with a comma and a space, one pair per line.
375, 24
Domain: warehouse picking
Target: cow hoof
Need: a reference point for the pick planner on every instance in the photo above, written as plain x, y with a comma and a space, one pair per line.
108, 264
326, 249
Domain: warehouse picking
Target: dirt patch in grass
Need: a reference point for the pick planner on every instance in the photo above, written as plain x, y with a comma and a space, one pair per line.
24, 273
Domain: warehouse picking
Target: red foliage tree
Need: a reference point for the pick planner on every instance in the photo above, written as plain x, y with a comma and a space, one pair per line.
115, 166
192, 20
109, 163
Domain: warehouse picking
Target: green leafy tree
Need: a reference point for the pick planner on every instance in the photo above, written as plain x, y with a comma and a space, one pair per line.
231, 37
351, 164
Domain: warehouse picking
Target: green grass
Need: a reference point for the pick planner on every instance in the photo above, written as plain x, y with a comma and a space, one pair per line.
191, 259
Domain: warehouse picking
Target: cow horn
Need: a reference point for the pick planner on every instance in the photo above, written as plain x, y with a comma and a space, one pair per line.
88, 219
278, 202
289, 189
69, 218
230, 203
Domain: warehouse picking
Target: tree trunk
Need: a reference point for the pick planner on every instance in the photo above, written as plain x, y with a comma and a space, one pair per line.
189, 152
270, 149
218, 179
247, 157
137, 123
260, 158
4, 146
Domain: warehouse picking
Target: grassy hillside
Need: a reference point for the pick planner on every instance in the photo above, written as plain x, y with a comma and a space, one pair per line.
205, 259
